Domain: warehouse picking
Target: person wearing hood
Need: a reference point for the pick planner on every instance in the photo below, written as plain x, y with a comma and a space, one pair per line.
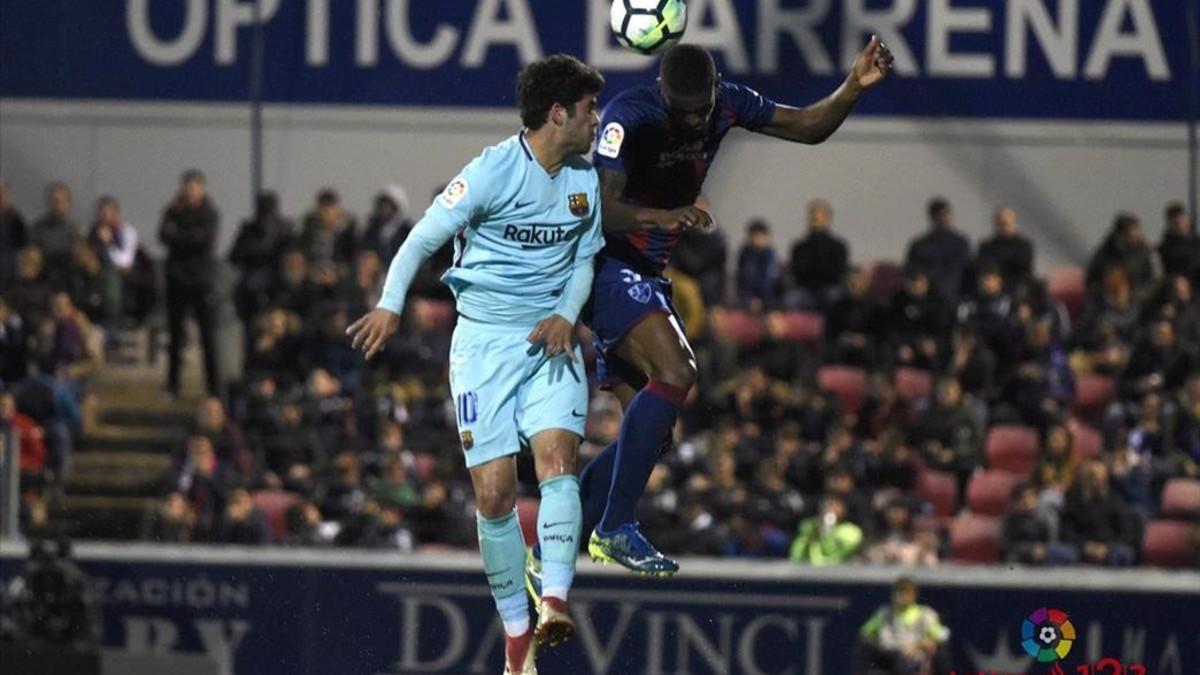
389, 223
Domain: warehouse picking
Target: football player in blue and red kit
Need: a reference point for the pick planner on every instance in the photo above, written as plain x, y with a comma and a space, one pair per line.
655, 148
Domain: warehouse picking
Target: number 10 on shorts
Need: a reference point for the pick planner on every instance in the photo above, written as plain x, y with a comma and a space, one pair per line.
468, 408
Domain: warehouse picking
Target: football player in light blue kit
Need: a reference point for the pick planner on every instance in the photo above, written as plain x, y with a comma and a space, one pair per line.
525, 217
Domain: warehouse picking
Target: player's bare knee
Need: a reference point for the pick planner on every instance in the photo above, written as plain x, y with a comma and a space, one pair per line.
496, 501
677, 372
554, 454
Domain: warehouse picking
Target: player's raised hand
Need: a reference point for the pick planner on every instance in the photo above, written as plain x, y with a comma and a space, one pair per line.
372, 331
685, 218
874, 63
557, 334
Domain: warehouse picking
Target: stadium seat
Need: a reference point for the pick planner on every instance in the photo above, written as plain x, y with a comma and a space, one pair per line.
913, 384
886, 279
1068, 286
941, 490
739, 327
802, 327
1093, 394
848, 384
1181, 499
527, 514
1088, 442
1169, 543
275, 505
1012, 448
989, 492
975, 538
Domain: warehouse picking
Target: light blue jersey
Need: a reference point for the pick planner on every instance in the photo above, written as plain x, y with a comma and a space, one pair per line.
524, 240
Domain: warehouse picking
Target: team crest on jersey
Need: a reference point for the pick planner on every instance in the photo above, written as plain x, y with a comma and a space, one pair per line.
578, 203
611, 139
640, 292
468, 440
454, 192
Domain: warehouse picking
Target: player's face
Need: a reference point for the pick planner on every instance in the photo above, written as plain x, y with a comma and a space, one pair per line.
688, 115
582, 124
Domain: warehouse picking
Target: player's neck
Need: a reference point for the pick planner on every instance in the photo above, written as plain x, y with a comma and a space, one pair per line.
546, 149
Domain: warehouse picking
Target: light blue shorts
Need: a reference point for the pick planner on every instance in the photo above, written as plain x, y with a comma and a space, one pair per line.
506, 390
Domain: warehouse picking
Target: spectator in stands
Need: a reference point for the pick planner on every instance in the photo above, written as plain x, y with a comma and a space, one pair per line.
207, 483
256, 253
972, 364
901, 542
243, 522
292, 289
344, 495
916, 324
32, 295
276, 348
1097, 522
305, 528
1040, 386
1054, 473
294, 458
173, 522
396, 487
1026, 533
1179, 249
1125, 248
988, 311
942, 253
827, 538
950, 433
702, 256
189, 231
14, 235
329, 410
328, 349
14, 359
1185, 428
1175, 302
365, 289
30, 439
758, 272
819, 261
389, 223
1157, 363
1007, 250
748, 538
117, 239
227, 438
95, 286
852, 323
329, 234
903, 637
883, 409
56, 232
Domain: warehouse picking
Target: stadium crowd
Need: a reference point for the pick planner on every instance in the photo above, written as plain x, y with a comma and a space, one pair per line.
845, 412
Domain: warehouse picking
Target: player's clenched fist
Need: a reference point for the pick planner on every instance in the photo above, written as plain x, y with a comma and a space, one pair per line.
372, 332
557, 334
686, 218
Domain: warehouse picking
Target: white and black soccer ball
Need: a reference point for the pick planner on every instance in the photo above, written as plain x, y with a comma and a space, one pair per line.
648, 26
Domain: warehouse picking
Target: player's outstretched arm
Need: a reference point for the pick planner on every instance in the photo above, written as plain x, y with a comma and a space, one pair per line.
621, 216
817, 122
373, 330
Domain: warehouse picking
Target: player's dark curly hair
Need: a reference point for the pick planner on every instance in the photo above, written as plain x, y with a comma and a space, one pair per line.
561, 79
688, 70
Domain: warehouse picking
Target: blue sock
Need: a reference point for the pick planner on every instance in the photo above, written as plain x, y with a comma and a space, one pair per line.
558, 534
503, 550
594, 482
648, 422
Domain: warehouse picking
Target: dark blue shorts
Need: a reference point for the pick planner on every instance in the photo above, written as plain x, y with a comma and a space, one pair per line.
621, 299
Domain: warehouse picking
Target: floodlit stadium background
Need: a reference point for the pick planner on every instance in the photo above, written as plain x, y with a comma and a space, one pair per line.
1068, 112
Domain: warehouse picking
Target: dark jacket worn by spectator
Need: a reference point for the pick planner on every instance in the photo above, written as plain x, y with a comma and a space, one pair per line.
1180, 247
257, 252
1124, 248
1097, 521
852, 323
758, 272
389, 224
702, 256
1007, 250
942, 253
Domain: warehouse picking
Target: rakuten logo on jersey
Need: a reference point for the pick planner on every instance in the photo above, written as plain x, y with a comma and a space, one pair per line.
531, 236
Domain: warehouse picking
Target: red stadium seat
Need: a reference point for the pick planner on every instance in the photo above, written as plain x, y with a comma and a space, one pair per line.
886, 279
940, 489
527, 514
802, 327
1169, 543
1012, 448
989, 492
848, 384
1093, 394
975, 538
1181, 499
1068, 285
275, 505
1088, 442
739, 327
913, 384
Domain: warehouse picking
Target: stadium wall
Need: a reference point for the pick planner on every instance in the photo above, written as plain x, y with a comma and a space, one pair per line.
1067, 179
263, 612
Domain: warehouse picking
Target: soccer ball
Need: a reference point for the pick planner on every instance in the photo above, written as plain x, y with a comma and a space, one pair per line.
648, 26
1048, 634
